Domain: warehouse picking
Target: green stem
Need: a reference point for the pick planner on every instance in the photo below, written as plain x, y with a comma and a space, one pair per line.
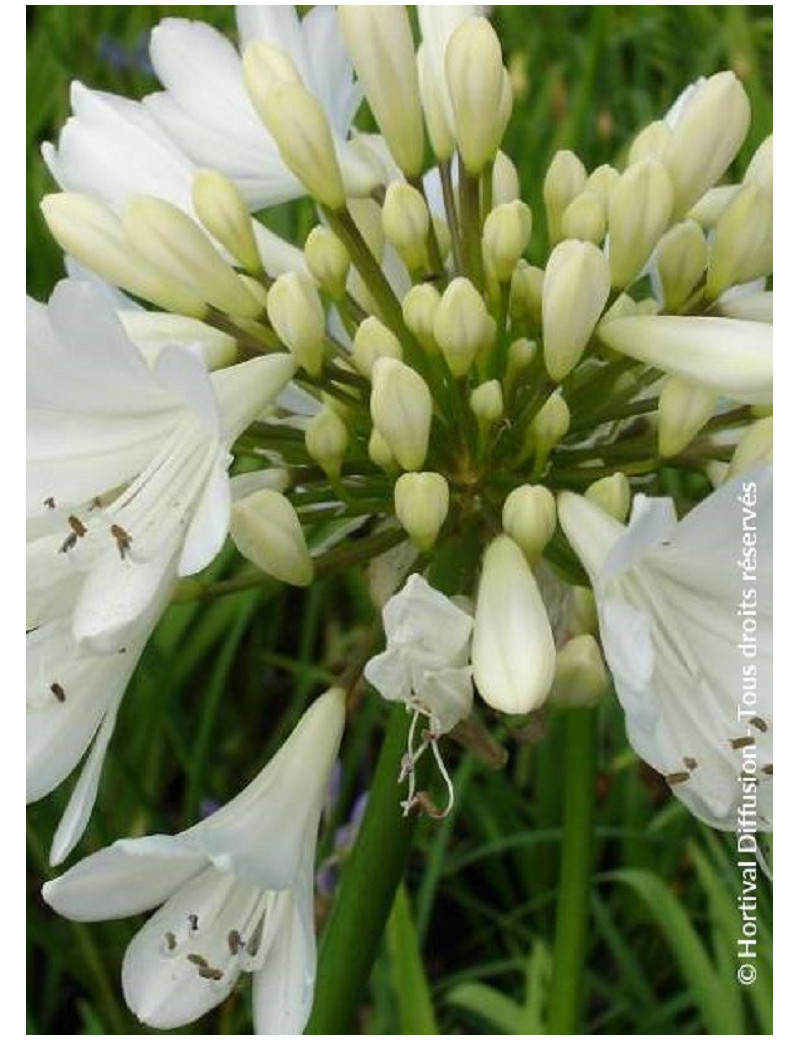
572, 914
469, 188
371, 875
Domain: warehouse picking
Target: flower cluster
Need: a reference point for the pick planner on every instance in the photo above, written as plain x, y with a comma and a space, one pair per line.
408, 367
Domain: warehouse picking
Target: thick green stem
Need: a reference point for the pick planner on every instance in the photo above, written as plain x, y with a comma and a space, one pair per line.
369, 882
572, 915
471, 227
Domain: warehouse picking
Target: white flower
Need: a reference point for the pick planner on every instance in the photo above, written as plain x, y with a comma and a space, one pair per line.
236, 889
679, 605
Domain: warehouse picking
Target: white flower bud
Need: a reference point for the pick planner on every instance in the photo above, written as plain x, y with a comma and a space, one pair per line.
480, 92
707, 136
94, 235
601, 182
525, 300
585, 218
434, 104
638, 215
513, 654
650, 142
505, 180
444, 239
420, 304
173, 243
549, 425
580, 678
486, 402
506, 234
520, 355
327, 260
381, 47
267, 532
223, 212
683, 410
582, 611
460, 325
681, 260
565, 180
405, 220
379, 451
741, 249
371, 341
152, 331
759, 172
755, 446
295, 312
613, 494
574, 293
401, 407
296, 121
529, 517
326, 441
421, 502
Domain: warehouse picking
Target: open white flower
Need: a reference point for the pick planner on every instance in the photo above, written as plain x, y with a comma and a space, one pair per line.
685, 613
237, 892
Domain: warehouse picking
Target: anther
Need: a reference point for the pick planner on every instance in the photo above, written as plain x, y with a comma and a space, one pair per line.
77, 525
690, 763
122, 538
193, 922
234, 942
759, 723
767, 769
50, 502
676, 778
69, 542
210, 973
740, 742
57, 691
195, 958
170, 940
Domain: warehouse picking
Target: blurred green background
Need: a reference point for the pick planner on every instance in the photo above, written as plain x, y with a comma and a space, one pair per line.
220, 686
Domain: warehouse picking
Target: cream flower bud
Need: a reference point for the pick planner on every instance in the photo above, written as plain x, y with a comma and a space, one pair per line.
581, 678
638, 215
94, 235
326, 441
459, 325
520, 355
437, 120
172, 242
372, 341
565, 180
480, 92
405, 220
741, 249
683, 410
601, 182
420, 304
582, 611
759, 172
574, 293
296, 121
401, 407
223, 212
549, 425
486, 402
267, 532
707, 136
506, 234
529, 517
650, 142
444, 239
327, 260
513, 654
421, 502
755, 446
379, 451
585, 218
295, 312
381, 47
525, 300
681, 261
505, 180
613, 494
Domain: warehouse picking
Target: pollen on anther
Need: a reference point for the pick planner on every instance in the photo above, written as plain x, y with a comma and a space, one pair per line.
767, 769
759, 723
690, 763
77, 525
740, 742
195, 958
234, 941
57, 691
193, 922
208, 972
122, 538
170, 940
676, 778
50, 502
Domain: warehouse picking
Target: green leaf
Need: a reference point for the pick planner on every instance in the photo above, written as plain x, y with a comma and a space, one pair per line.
411, 984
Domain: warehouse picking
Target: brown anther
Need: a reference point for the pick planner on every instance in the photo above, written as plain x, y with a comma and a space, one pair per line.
195, 958
77, 525
690, 763
57, 691
676, 778
193, 923
171, 941
50, 502
423, 802
740, 742
122, 538
767, 769
210, 973
759, 724
234, 942
95, 503
69, 542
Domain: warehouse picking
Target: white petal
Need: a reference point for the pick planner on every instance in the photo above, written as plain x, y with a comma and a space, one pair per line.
209, 525
390, 674
447, 695
426, 620
245, 391
590, 531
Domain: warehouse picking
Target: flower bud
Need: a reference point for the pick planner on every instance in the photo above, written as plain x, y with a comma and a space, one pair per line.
513, 654
444, 239
520, 355
638, 215
505, 180
574, 293
683, 410
650, 142
549, 425
525, 300
580, 677
582, 611
326, 441
755, 446
759, 172
459, 325
405, 220
486, 402
749, 306
506, 234
681, 261
223, 212
295, 312
401, 407
371, 341
379, 451
327, 260
480, 92
381, 47
529, 517
435, 102
421, 502
94, 235
564, 181
601, 182
152, 331
709, 132
613, 494
267, 532
585, 218
296, 121
420, 304
741, 249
